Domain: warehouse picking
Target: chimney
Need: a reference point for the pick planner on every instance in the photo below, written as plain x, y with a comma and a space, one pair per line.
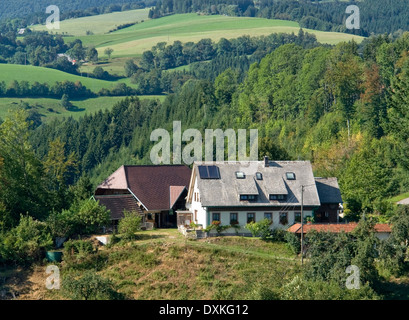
266, 162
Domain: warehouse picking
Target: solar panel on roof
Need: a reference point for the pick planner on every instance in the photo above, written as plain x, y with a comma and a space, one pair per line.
213, 172
204, 174
209, 172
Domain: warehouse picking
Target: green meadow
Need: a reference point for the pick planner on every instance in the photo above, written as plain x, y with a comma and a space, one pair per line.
114, 66
50, 108
10, 72
98, 24
134, 40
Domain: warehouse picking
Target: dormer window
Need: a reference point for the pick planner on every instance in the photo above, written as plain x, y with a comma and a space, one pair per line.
247, 197
259, 176
290, 175
277, 196
240, 175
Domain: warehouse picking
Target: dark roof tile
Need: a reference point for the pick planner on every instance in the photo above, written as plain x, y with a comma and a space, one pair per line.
328, 190
116, 204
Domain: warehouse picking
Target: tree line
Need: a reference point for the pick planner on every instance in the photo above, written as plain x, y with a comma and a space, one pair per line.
25, 13
43, 49
74, 90
377, 17
205, 59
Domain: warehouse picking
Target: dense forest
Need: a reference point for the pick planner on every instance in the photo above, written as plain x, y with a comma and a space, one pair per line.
376, 16
204, 59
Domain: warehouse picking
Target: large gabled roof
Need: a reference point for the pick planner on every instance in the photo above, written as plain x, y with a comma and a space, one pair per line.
150, 184
225, 192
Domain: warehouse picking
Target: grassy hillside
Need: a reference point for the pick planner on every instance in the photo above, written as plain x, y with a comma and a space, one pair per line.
10, 72
99, 24
162, 265
50, 108
134, 40
114, 66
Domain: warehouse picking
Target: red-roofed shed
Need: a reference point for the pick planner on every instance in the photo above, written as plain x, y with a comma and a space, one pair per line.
382, 230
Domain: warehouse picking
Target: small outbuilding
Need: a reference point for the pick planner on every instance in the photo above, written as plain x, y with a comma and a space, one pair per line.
382, 230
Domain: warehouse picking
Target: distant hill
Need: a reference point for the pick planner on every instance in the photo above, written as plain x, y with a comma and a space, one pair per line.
24, 8
377, 16
98, 24
134, 40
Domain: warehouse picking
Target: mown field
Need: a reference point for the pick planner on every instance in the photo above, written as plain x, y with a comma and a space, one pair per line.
10, 72
134, 40
98, 24
113, 66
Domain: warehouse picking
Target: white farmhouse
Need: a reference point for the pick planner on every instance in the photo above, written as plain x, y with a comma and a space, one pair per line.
234, 193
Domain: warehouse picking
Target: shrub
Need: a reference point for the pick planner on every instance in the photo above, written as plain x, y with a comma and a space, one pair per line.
277, 235
217, 226
65, 103
100, 73
193, 225
301, 289
394, 251
113, 240
90, 286
129, 225
260, 229
236, 226
330, 254
25, 243
393, 257
61, 224
81, 255
81, 247
293, 242
76, 251
91, 217
261, 292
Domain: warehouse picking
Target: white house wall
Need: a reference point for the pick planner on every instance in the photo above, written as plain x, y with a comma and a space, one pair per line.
197, 205
259, 215
204, 215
